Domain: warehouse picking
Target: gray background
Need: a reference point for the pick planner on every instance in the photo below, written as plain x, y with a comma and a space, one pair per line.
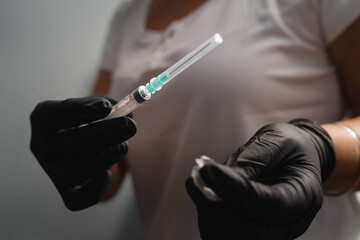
50, 49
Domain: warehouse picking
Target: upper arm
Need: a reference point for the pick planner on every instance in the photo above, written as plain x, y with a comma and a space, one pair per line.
345, 52
103, 82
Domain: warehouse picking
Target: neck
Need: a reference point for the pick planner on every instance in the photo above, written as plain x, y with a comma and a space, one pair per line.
163, 12
179, 5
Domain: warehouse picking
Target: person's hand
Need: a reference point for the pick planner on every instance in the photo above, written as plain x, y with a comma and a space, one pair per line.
271, 188
77, 158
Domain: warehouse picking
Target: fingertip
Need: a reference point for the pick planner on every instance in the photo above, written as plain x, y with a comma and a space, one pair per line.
112, 101
119, 150
191, 188
208, 170
194, 193
109, 174
124, 148
101, 105
41, 111
188, 183
112, 155
124, 125
131, 122
223, 180
212, 176
105, 178
130, 125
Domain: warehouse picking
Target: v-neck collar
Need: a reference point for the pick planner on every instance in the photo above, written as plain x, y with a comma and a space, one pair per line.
174, 24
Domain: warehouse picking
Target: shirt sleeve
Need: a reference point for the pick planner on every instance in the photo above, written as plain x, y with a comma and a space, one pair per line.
337, 15
112, 40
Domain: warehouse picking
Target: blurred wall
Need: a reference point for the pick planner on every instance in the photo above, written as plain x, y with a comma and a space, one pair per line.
50, 49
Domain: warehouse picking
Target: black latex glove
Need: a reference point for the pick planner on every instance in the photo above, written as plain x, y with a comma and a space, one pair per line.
77, 158
271, 188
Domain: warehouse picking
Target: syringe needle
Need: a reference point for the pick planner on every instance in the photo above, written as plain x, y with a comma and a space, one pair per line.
155, 84
143, 93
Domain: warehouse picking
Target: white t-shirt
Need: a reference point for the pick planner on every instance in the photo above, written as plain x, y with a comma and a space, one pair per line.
272, 67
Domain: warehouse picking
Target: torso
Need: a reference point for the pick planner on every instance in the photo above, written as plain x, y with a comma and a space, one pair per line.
261, 73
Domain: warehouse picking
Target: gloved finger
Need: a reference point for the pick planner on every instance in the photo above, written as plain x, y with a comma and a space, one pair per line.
223, 180
212, 216
112, 101
76, 171
90, 191
97, 163
195, 194
90, 139
208, 213
112, 155
51, 116
201, 202
206, 191
102, 134
284, 201
217, 220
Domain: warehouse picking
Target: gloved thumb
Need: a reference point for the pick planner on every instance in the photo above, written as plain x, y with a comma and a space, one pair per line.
260, 153
52, 116
269, 204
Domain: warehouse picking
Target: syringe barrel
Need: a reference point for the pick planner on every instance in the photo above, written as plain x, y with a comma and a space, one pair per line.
191, 57
142, 94
129, 103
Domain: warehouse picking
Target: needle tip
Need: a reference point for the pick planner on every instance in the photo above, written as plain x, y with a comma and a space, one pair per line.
218, 38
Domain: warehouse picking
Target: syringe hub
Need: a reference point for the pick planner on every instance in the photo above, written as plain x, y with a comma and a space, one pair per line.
143, 93
156, 83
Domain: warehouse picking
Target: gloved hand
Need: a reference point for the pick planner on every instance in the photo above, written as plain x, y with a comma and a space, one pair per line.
77, 158
271, 188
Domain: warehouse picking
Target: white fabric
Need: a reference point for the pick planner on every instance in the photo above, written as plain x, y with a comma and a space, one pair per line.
271, 67
337, 15
114, 37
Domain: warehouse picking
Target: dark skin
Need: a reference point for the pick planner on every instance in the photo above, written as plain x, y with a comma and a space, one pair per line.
345, 53
169, 11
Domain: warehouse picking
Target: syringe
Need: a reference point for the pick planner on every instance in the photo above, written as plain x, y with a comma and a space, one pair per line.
143, 93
